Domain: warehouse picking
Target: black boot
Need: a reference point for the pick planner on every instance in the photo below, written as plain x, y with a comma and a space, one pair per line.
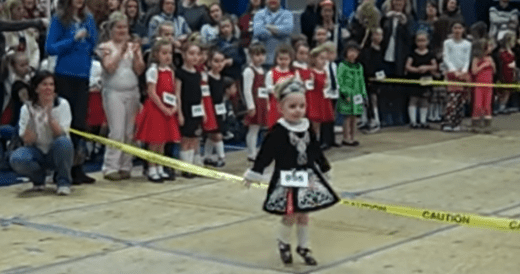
285, 252
79, 177
305, 253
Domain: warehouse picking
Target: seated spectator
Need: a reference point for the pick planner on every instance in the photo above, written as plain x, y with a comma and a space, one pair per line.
135, 18
44, 124
26, 40
245, 22
169, 13
273, 26
502, 17
196, 16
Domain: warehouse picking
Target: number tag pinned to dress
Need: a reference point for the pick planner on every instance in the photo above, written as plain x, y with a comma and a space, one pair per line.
380, 75
205, 91
263, 93
169, 99
358, 99
220, 109
197, 111
426, 80
294, 178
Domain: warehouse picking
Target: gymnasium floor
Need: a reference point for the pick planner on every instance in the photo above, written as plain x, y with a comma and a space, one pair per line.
209, 226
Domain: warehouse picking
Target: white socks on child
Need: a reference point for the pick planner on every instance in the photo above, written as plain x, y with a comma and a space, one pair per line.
303, 236
376, 116
423, 113
220, 149
187, 156
251, 140
412, 113
285, 233
208, 148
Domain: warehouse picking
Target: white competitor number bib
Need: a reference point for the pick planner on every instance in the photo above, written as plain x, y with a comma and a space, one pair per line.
294, 178
358, 99
169, 99
380, 75
263, 93
220, 109
197, 110
205, 91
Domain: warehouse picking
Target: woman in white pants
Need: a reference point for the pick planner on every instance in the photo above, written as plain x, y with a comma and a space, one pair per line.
122, 63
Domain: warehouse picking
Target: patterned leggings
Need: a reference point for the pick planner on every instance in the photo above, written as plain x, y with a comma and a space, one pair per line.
454, 109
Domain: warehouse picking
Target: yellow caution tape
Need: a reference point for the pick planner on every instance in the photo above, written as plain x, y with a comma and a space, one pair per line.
443, 83
464, 219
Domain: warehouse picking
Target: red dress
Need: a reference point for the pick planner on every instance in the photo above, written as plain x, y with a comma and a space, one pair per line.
260, 117
209, 108
153, 126
274, 114
96, 114
508, 74
319, 108
483, 96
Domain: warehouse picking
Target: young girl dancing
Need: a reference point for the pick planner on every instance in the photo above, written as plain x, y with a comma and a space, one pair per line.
282, 71
191, 109
157, 122
298, 185
256, 97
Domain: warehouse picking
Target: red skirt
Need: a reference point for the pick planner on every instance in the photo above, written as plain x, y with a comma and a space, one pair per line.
273, 115
211, 120
319, 108
261, 114
153, 126
95, 114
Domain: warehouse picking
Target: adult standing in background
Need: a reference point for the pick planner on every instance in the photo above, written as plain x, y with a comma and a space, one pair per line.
196, 16
72, 37
327, 18
169, 13
245, 22
273, 26
450, 13
309, 20
502, 18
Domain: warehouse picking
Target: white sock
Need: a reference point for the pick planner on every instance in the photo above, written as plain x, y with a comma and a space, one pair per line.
197, 159
376, 116
160, 170
431, 108
437, 111
152, 170
364, 117
220, 150
285, 233
187, 156
208, 148
412, 113
251, 140
423, 112
303, 236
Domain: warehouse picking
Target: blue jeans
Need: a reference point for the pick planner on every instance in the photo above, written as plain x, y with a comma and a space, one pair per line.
33, 163
7, 132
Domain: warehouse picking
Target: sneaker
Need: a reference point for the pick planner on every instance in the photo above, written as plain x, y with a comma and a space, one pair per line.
220, 163
414, 126
424, 126
374, 129
38, 188
229, 135
163, 174
188, 175
457, 129
447, 128
209, 162
63, 191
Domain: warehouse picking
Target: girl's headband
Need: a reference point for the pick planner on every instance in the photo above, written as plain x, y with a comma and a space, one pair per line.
292, 85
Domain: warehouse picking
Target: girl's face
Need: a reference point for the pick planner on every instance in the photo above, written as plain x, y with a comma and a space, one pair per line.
131, 9
293, 107
321, 59
21, 65
421, 41
327, 12
120, 31
451, 5
258, 59
302, 54
457, 30
226, 28
78, 4
45, 89
398, 5
377, 37
168, 6
431, 10
332, 55
164, 55
232, 90
203, 56
192, 55
215, 12
167, 32
17, 12
321, 36
29, 4
352, 55
217, 62
283, 60
113, 5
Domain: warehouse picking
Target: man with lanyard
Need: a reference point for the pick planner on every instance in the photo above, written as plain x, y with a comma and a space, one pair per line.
272, 26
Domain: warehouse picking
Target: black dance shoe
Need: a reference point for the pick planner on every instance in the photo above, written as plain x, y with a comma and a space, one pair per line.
305, 253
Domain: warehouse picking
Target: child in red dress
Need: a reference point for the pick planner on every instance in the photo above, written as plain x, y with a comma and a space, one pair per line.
483, 69
157, 122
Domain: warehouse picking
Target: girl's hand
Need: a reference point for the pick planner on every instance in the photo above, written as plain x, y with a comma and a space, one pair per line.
181, 119
204, 118
251, 112
82, 33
